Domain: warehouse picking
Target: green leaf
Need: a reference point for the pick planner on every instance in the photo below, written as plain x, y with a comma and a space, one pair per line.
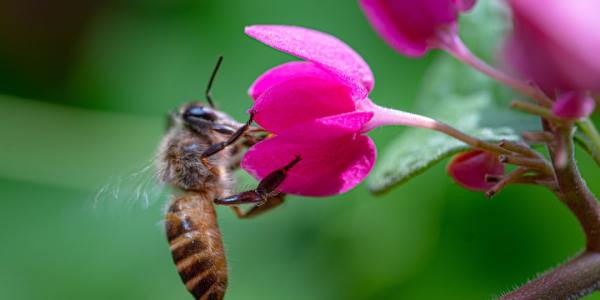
457, 95
484, 28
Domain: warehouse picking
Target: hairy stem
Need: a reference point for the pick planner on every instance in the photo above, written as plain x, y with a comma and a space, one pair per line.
536, 110
470, 140
581, 275
574, 192
572, 280
384, 116
452, 44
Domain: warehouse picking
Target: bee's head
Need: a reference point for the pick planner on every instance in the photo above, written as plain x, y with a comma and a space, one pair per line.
202, 118
197, 113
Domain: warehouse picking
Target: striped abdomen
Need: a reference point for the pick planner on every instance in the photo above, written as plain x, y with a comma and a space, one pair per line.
196, 246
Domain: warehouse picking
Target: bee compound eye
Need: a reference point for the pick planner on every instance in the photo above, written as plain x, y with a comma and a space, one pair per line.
199, 112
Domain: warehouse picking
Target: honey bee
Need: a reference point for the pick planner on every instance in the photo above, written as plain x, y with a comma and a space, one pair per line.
197, 156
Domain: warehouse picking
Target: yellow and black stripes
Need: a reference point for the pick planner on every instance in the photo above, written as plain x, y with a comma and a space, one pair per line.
196, 246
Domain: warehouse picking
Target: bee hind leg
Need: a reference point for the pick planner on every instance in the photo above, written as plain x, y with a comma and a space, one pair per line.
260, 208
265, 196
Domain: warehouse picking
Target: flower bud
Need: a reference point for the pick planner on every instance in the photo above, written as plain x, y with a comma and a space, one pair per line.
412, 27
555, 44
572, 105
470, 169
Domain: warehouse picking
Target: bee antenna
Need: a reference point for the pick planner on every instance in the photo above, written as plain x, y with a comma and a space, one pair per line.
207, 93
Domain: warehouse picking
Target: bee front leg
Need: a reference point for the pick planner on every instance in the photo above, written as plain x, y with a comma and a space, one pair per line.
216, 148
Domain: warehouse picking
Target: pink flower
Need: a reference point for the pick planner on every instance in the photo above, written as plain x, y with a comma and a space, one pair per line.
413, 27
469, 169
317, 109
555, 44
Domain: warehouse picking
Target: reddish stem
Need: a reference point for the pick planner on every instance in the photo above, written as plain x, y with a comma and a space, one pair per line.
581, 275
572, 280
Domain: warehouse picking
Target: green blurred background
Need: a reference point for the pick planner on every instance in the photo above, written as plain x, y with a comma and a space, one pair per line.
86, 86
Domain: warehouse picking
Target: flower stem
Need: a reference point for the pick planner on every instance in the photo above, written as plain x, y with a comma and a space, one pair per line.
574, 279
537, 164
510, 178
470, 140
386, 116
535, 109
455, 46
574, 192
519, 147
581, 275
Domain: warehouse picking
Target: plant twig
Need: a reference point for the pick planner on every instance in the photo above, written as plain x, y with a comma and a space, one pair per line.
455, 46
510, 178
388, 116
572, 280
519, 147
535, 109
575, 193
581, 275
541, 137
470, 140
531, 163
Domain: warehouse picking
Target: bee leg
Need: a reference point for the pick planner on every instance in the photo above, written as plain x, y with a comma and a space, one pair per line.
258, 209
216, 148
265, 192
242, 198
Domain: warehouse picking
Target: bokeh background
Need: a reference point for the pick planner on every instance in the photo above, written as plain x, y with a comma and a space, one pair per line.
85, 86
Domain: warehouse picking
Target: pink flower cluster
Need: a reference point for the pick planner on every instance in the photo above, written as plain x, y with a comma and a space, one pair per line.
317, 109
554, 45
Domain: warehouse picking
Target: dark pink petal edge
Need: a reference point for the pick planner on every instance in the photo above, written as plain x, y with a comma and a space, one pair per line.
320, 48
384, 25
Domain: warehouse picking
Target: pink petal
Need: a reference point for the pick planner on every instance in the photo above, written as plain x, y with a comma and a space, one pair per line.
565, 37
299, 100
409, 26
335, 157
286, 72
469, 169
574, 105
320, 48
